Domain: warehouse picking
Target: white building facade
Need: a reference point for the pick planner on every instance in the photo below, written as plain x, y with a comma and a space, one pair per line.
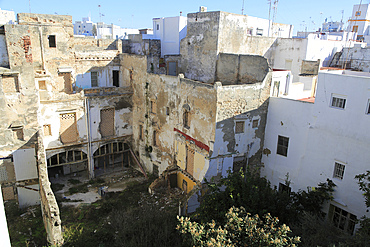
85, 27
359, 22
310, 142
7, 17
170, 30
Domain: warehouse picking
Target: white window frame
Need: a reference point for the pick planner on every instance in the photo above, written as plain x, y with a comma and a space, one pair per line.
282, 149
339, 169
338, 101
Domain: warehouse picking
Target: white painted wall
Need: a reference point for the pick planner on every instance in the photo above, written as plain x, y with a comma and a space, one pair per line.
170, 30
84, 27
362, 20
105, 77
27, 197
4, 233
7, 17
276, 29
320, 135
25, 164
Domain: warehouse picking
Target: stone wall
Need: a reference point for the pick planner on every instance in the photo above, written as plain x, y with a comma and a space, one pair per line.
235, 69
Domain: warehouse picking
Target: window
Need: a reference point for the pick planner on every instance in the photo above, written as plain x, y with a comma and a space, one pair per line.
155, 136
141, 132
47, 130
157, 26
18, 133
282, 146
259, 32
250, 31
338, 170
65, 78
338, 102
167, 111
355, 29
153, 107
107, 122
52, 41
68, 128
239, 127
184, 185
368, 107
186, 119
42, 85
358, 13
94, 79
10, 84
255, 123
115, 78
342, 219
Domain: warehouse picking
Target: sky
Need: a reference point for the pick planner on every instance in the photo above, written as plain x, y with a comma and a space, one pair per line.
308, 14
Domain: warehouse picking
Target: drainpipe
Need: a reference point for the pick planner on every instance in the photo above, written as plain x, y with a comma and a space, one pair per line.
90, 161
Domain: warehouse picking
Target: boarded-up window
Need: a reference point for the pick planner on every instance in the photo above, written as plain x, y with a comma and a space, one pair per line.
68, 128
94, 79
18, 133
8, 193
189, 160
47, 130
239, 127
107, 122
42, 85
65, 79
10, 84
255, 123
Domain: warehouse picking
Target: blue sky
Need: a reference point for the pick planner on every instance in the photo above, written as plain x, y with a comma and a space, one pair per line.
139, 14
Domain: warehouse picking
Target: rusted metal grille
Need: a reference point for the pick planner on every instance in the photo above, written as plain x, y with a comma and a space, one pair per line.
107, 122
8, 193
10, 84
189, 161
68, 128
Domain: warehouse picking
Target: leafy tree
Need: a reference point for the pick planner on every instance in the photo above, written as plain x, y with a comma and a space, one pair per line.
255, 194
364, 183
240, 229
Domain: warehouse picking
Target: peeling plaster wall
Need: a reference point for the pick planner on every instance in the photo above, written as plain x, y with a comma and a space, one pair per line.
320, 135
172, 92
199, 48
239, 103
355, 58
211, 33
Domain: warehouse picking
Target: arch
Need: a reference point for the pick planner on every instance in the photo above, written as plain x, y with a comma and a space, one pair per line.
111, 157
67, 162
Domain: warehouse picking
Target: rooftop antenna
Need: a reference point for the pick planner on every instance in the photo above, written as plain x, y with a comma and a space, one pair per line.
243, 8
342, 15
99, 12
29, 5
268, 33
274, 13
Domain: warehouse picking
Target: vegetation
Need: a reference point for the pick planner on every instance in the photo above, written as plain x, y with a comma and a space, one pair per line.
240, 229
257, 197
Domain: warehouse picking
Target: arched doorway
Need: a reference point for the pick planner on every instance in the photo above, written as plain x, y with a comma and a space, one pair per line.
111, 157
67, 162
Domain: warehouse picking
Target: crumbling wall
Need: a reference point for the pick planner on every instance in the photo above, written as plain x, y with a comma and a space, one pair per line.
159, 103
310, 67
245, 106
49, 205
199, 48
241, 69
90, 43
